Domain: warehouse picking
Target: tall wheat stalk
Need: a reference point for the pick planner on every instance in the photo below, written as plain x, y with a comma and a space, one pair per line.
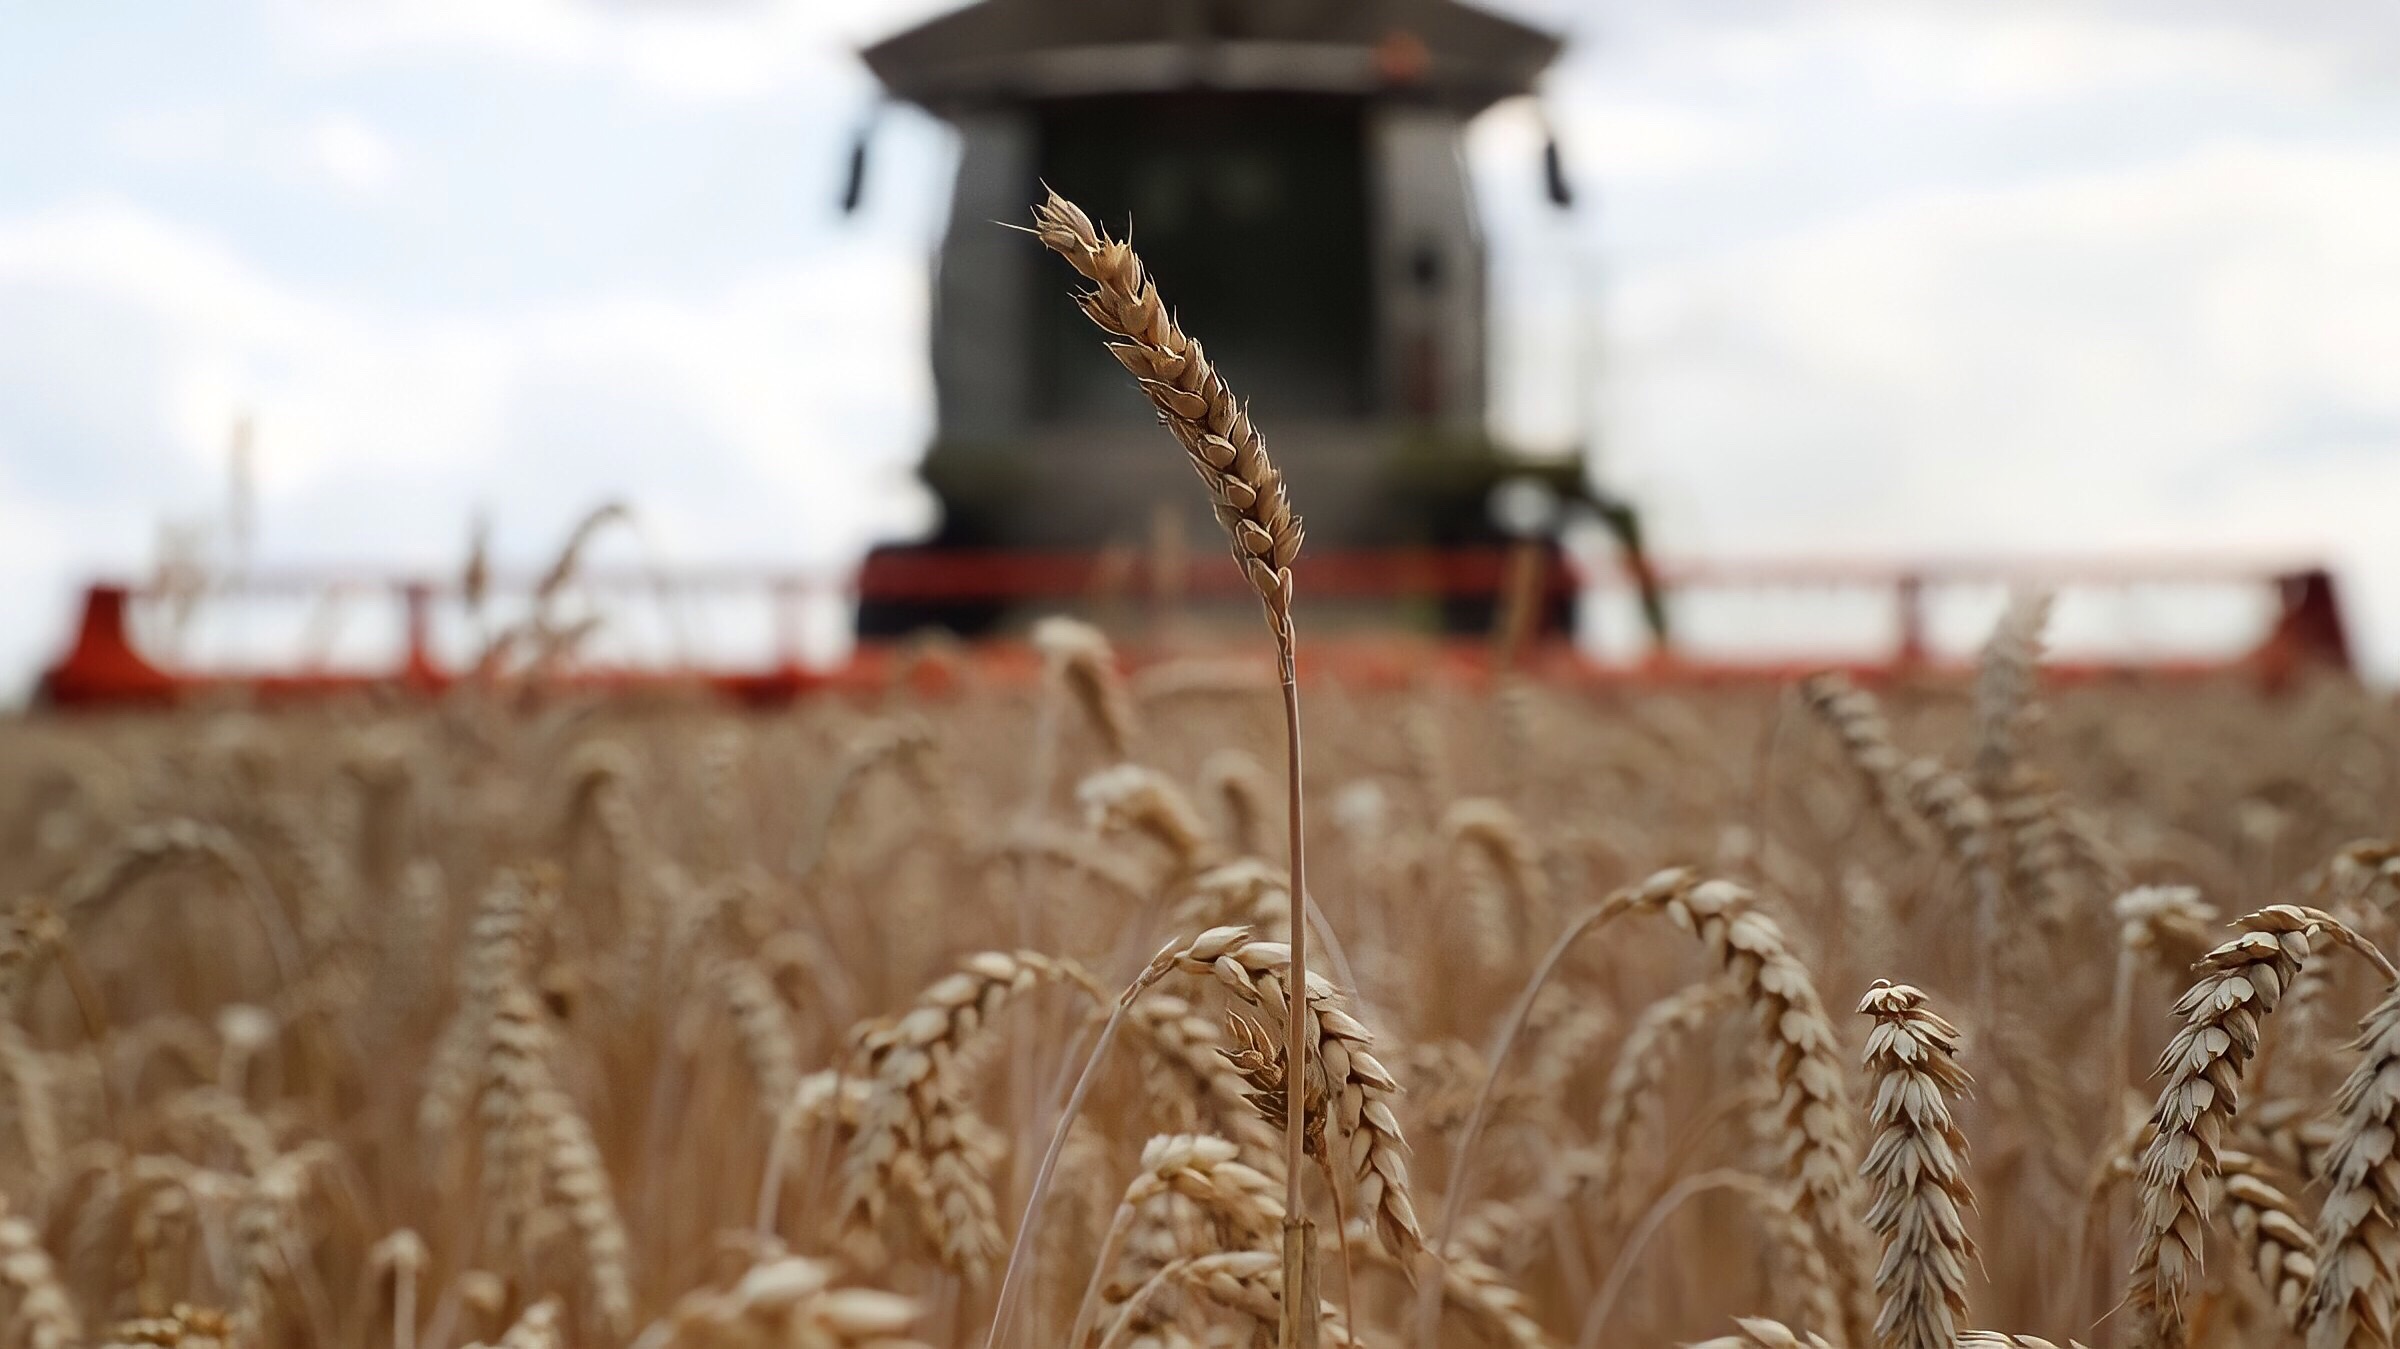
1246, 490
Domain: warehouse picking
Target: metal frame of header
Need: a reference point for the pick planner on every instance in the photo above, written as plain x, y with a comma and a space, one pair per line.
104, 665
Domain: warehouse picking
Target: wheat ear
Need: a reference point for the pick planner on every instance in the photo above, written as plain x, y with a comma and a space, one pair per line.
2240, 982
536, 1144
2271, 1233
1757, 1332
1246, 1282
1654, 1045
2004, 688
537, 1327
1214, 428
2350, 1301
495, 956
1811, 1111
1916, 1170
184, 1325
1363, 1135
27, 1071
913, 1115
1078, 656
788, 1300
1857, 719
763, 1025
1238, 785
1144, 801
45, 1315
1203, 1169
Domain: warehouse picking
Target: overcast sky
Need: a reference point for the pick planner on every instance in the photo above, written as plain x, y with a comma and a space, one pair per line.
1917, 278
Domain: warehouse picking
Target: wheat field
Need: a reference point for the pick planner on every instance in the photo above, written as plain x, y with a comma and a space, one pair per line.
531, 1021
988, 1017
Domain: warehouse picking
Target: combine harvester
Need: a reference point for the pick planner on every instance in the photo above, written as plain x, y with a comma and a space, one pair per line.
1297, 176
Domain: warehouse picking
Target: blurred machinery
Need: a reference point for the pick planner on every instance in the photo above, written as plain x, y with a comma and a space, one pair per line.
1920, 619
1293, 173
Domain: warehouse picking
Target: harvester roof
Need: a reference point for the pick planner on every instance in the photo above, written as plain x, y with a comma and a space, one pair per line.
1002, 51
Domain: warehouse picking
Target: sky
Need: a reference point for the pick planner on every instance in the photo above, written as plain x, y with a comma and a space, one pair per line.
1858, 279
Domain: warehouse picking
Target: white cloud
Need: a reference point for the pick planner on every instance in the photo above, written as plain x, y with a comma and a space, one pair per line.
179, 136
354, 156
2137, 359
2018, 55
1616, 139
337, 150
737, 49
765, 421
